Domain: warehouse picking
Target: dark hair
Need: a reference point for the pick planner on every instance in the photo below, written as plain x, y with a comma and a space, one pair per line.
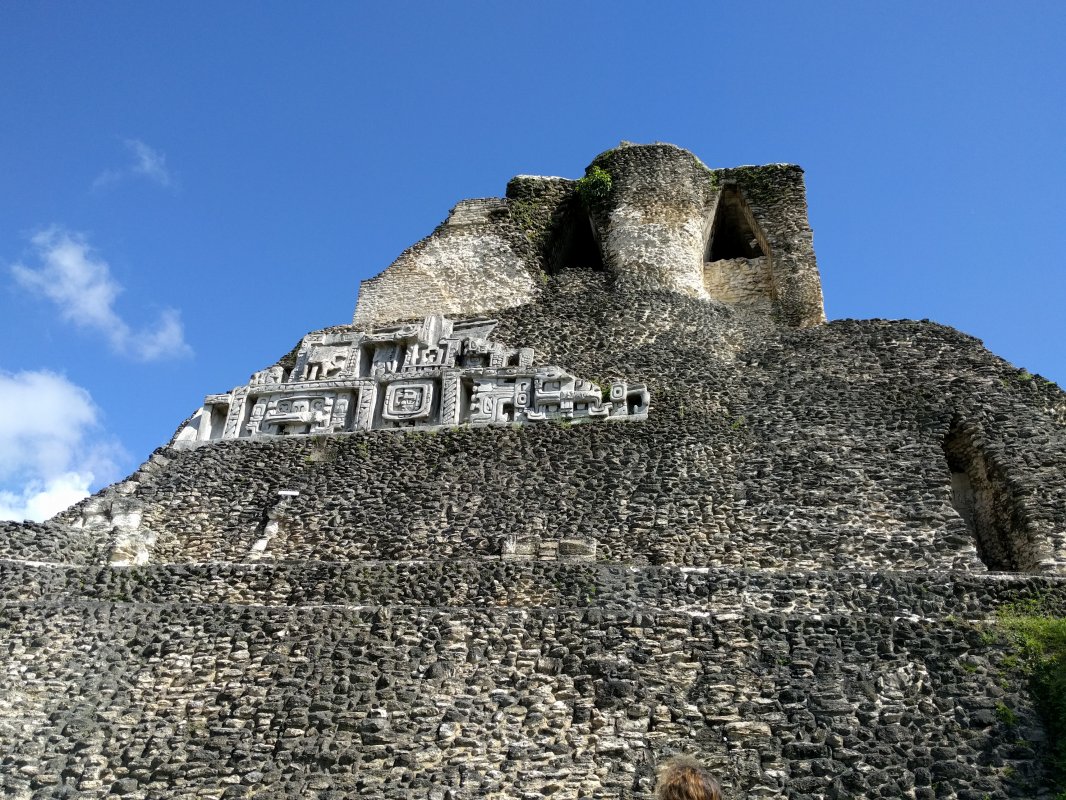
682, 778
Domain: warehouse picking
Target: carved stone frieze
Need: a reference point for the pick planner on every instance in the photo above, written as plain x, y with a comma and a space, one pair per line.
436, 373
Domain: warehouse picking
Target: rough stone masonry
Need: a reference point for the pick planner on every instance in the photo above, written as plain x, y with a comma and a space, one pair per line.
393, 565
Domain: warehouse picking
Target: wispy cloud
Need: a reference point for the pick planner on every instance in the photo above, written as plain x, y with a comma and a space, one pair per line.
145, 162
81, 286
52, 450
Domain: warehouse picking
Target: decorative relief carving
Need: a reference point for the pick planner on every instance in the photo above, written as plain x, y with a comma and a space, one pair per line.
538, 547
408, 401
439, 372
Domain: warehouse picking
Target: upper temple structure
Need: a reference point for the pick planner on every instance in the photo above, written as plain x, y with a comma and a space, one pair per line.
588, 481
654, 217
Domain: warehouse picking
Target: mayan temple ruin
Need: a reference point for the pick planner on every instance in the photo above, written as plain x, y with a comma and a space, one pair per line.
586, 482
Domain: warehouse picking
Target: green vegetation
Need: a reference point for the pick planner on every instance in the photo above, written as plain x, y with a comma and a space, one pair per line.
603, 385
1041, 638
595, 187
523, 212
1006, 715
1024, 376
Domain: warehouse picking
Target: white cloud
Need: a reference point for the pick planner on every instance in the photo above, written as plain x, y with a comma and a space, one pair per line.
146, 162
49, 454
39, 500
81, 286
50, 418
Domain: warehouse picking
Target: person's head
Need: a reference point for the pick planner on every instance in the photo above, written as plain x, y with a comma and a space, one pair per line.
682, 778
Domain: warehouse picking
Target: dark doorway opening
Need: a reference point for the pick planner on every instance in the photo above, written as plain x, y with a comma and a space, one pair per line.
732, 233
571, 243
983, 497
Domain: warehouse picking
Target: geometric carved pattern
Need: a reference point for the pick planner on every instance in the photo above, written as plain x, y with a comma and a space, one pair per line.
408, 400
436, 373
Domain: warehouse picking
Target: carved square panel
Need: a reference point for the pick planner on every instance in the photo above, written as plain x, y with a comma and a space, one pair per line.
408, 400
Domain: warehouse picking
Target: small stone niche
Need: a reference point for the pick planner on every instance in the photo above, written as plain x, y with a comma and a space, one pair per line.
983, 498
536, 547
571, 242
737, 267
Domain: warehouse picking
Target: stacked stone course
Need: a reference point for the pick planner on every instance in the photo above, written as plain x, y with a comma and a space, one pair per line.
792, 568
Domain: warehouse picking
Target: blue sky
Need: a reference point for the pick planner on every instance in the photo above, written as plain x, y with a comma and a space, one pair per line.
188, 188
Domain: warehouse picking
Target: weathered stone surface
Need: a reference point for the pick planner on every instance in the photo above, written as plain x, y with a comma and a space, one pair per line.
432, 374
665, 217
790, 569
769, 449
477, 700
468, 266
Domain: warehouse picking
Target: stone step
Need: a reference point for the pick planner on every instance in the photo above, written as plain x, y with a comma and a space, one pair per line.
540, 584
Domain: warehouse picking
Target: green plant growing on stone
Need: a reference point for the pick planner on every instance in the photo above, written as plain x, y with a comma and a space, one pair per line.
1041, 639
522, 213
1011, 663
595, 187
1006, 715
1021, 376
603, 386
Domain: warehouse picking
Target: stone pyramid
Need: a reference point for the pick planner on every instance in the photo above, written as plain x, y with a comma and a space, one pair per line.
588, 481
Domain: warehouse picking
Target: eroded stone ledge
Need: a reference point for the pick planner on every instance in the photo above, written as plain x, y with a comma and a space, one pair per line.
529, 583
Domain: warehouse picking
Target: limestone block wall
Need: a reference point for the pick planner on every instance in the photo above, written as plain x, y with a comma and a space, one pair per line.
573, 683
777, 197
659, 218
741, 281
469, 265
443, 583
53, 542
653, 224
